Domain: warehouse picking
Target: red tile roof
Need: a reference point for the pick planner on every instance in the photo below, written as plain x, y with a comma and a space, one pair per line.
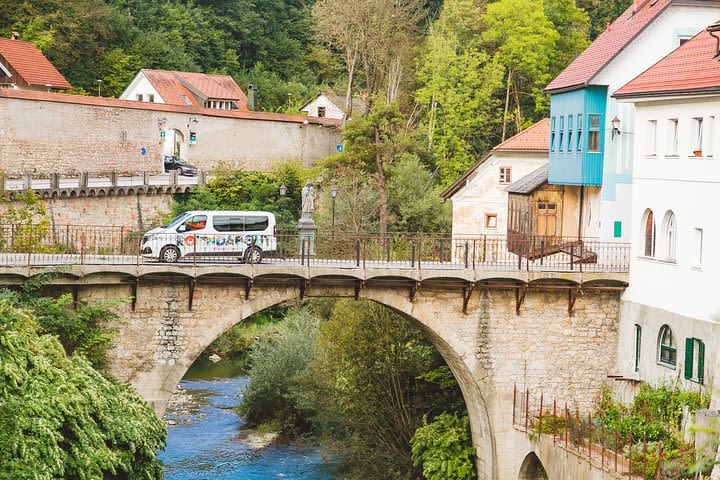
609, 44
171, 85
31, 64
692, 68
535, 137
162, 107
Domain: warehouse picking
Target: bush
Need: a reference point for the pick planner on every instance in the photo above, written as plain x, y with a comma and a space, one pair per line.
444, 449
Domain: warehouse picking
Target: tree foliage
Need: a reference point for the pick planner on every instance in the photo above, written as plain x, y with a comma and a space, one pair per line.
443, 448
61, 419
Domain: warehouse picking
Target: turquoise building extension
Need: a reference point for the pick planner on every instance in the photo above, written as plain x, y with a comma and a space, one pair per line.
577, 136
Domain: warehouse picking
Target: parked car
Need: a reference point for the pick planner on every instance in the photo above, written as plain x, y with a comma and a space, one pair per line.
173, 162
245, 235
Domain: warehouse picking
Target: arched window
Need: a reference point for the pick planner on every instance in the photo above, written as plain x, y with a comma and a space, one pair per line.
669, 233
667, 348
648, 233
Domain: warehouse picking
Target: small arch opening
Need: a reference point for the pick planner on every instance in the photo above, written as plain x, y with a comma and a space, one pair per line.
532, 468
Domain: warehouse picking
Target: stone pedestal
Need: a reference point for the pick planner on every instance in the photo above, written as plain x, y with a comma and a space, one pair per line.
307, 230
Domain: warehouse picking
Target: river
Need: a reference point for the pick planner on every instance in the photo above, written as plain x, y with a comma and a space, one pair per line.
203, 438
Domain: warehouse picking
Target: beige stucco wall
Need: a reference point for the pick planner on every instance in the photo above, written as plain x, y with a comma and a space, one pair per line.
46, 137
484, 194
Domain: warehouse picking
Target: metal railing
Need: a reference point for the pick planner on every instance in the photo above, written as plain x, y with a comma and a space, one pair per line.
625, 454
56, 181
74, 244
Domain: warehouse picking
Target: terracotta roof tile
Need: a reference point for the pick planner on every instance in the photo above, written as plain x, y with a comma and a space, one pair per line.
535, 137
692, 68
31, 64
162, 107
609, 44
171, 85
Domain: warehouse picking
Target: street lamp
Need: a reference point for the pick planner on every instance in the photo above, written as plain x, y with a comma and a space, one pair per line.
333, 194
615, 127
283, 192
99, 82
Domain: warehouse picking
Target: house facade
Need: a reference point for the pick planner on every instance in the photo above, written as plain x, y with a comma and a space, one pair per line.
592, 134
24, 67
670, 326
331, 105
480, 202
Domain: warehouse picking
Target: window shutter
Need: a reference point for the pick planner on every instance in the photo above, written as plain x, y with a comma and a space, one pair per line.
701, 361
638, 337
689, 358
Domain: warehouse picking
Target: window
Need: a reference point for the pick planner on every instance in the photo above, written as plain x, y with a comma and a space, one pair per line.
651, 132
697, 247
562, 133
196, 222
150, 97
683, 40
669, 235
491, 220
570, 133
667, 350
505, 175
638, 338
186, 99
672, 147
546, 218
321, 111
594, 136
694, 360
710, 137
139, 97
256, 223
648, 230
579, 132
552, 134
697, 137
228, 223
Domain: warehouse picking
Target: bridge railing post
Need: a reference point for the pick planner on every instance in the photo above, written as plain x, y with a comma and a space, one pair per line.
514, 401
357, 253
572, 256
412, 254
467, 252
520, 255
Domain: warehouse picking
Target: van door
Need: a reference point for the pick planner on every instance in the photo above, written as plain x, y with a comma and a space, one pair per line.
256, 231
190, 240
228, 239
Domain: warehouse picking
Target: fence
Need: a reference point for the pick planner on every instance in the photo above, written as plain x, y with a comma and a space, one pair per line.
63, 244
629, 455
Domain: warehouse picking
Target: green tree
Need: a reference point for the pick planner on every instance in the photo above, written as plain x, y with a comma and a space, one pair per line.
443, 448
572, 24
602, 13
61, 419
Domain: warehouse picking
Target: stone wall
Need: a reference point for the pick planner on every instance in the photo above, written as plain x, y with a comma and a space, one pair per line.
134, 212
55, 135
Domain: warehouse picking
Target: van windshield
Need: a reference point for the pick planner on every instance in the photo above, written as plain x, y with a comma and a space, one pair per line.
175, 221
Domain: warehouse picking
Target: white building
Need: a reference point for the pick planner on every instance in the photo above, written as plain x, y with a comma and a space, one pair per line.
670, 322
599, 162
480, 202
186, 89
331, 105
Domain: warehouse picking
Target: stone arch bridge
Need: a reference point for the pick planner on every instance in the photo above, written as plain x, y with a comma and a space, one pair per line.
496, 328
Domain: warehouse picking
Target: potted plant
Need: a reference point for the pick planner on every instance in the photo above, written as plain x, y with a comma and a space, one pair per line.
697, 153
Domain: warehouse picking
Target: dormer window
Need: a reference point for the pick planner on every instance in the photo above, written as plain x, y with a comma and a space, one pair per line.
5, 72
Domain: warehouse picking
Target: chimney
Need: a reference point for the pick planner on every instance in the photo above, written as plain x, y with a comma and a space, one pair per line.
252, 97
14, 36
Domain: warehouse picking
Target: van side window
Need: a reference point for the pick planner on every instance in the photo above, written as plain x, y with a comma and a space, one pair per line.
196, 222
256, 223
228, 223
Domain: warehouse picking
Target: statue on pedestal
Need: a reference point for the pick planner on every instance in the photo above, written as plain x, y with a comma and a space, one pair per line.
306, 225
309, 200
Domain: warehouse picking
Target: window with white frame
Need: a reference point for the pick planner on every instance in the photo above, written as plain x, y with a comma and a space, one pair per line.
552, 134
570, 133
139, 97
669, 233
491, 220
651, 138
594, 133
561, 137
505, 175
150, 97
667, 348
697, 247
648, 238
638, 338
694, 360
710, 137
697, 136
672, 137
579, 131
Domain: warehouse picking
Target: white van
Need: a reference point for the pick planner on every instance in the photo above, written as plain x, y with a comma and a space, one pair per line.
246, 235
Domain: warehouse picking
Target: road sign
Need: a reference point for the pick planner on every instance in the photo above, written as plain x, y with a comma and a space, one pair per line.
162, 133
339, 148
193, 138
143, 151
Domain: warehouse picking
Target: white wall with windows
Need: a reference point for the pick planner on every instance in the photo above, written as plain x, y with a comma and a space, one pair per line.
675, 262
141, 90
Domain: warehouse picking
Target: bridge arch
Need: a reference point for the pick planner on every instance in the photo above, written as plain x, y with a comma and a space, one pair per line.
156, 383
532, 468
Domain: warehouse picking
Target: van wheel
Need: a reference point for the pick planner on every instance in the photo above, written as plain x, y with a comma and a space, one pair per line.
169, 254
253, 255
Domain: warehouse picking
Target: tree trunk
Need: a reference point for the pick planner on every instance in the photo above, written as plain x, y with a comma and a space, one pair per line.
382, 189
507, 104
431, 122
352, 61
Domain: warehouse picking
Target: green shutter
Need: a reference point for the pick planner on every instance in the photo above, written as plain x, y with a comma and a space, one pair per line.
617, 229
701, 361
638, 337
689, 358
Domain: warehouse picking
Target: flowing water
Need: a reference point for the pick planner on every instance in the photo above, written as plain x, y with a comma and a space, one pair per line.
206, 442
